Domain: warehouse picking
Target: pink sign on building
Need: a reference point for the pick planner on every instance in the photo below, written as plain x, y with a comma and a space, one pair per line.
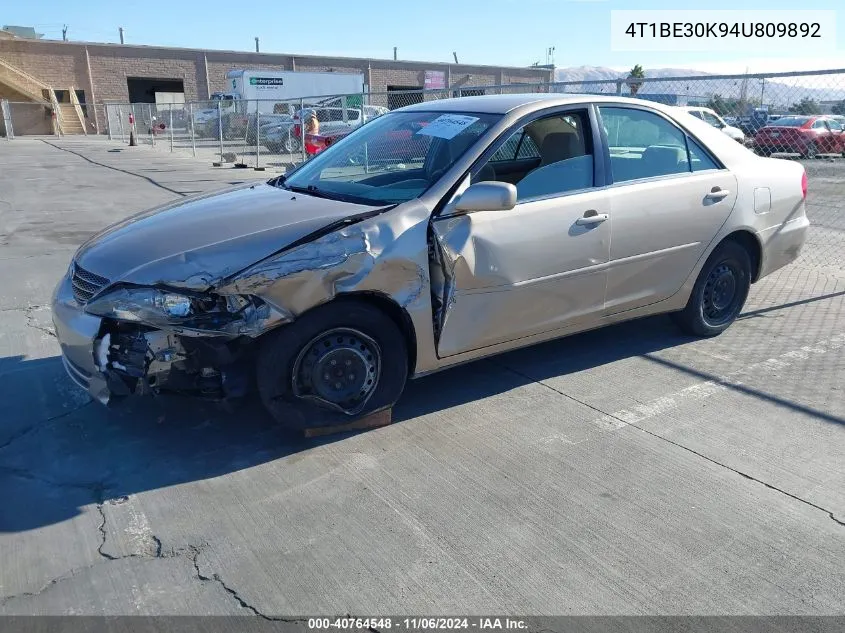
435, 79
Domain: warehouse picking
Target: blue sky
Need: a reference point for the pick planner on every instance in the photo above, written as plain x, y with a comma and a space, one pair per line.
510, 32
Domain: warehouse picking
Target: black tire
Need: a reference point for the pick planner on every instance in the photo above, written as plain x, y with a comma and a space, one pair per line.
812, 151
355, 330
291, 145
719, 292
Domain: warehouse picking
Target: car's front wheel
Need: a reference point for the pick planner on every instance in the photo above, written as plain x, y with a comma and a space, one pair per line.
719, 292
339, 361
812, 151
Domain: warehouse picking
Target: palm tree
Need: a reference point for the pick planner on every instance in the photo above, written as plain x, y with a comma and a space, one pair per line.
635, 77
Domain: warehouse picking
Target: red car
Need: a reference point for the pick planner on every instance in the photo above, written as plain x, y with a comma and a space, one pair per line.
399, 145
402, 144
808, 136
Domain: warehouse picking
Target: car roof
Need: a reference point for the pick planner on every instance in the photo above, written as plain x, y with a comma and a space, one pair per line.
502, 104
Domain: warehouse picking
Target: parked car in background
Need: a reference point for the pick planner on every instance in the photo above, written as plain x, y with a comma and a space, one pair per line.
758, 118
206, 122
709, 116
335, 120
808, 136
261, 124
328, 287
280, 139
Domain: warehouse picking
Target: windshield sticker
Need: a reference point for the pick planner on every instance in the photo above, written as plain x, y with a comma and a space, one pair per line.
448, 125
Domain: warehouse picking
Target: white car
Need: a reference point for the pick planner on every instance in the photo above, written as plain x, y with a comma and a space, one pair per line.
709, 116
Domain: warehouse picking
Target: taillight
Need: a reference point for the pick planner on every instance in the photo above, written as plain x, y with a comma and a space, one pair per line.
804, 184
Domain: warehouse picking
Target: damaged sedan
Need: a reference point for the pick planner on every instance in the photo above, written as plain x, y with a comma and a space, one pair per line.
436, 234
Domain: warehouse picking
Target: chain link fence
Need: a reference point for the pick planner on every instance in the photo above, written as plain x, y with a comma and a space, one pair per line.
784, 114
788, 115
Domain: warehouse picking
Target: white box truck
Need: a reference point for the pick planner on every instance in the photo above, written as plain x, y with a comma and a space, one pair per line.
263, 88
272, 93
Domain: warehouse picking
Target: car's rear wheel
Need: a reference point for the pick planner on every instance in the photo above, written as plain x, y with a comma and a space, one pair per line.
291, 145
812, 151
340, 361
719, 292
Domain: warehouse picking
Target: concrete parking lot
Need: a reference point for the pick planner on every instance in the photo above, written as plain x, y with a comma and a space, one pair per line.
631, 470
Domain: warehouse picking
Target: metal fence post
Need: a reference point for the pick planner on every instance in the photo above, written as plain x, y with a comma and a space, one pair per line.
257, 134
108, 120
152, 130
193, 138
220, 129
7, 119
170, 123
302, 126
120, 124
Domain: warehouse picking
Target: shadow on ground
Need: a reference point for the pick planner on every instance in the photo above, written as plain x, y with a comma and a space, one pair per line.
57, 455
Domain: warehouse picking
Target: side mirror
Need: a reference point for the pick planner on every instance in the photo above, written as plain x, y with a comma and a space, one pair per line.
487, 196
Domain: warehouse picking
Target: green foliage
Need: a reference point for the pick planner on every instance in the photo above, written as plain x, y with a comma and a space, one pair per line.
806, 106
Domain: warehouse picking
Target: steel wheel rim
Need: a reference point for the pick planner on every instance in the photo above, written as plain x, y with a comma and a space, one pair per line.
339, 368
721, 294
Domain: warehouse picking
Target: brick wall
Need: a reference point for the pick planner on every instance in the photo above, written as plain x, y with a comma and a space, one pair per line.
63, 64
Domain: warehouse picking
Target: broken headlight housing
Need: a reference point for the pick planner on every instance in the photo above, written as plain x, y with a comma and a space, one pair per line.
160, 308
148, 305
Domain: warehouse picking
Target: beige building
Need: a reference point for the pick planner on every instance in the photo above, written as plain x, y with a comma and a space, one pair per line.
92, 73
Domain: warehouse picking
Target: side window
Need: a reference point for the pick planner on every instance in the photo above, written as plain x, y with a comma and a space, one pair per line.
643, 144
834, 125
696, 114
699, 159
818, 125
550, 156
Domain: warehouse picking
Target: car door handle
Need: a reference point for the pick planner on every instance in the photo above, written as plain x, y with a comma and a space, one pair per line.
717, 194
591, 218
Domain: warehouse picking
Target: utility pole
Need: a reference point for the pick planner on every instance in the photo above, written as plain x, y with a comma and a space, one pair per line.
394, 53
120, 29
64, 33
256, 44
455, 55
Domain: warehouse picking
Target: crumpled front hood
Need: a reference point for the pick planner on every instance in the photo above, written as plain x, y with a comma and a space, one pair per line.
196, 242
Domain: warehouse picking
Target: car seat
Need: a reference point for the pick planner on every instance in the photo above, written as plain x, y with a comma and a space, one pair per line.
558, 146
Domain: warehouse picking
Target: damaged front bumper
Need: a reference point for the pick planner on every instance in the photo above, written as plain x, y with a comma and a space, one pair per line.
114, 358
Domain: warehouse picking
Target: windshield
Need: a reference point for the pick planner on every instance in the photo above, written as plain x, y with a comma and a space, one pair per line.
393, 158
791, 121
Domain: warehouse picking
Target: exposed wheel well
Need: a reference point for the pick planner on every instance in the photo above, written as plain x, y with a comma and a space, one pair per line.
751, 244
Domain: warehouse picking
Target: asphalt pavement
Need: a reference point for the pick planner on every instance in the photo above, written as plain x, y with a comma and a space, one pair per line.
626, 471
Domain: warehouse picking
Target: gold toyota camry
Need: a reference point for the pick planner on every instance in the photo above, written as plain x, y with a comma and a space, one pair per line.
436, 234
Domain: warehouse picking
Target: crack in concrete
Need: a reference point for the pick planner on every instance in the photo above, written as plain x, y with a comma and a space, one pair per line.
30, 321
677, 444
32, 427
195, 554
49, 585
152, 181
22, 308
100, 492
108, 559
